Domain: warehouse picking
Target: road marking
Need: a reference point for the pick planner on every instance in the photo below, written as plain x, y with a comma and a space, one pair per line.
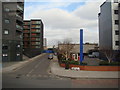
40, 75
30, 72
37, 65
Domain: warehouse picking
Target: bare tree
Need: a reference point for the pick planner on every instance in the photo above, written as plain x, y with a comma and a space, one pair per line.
65, 48
109, 54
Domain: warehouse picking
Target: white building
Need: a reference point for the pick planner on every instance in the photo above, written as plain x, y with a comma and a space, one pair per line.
109, 28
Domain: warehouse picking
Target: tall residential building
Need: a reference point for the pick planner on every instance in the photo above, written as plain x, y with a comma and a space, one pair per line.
109, 25
45, 43
12, 27
0, 31
33, 37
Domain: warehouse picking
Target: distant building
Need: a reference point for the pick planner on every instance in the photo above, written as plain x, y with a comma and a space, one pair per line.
33, 37
109, 27
45, 43
12, 27
76, 48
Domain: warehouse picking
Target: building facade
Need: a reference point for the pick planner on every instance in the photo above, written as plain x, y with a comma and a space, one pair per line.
75, 51
45, 44
0, 31
109, 28
33, 37
12, 27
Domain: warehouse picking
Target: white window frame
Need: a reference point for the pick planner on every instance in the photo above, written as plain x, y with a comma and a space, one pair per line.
5, 55
6, 31
8, 21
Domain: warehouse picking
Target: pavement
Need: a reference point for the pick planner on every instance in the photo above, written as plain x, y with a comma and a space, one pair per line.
9, 66
62, 72
91, 61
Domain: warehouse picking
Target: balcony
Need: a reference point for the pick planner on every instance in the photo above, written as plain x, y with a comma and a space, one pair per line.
19, 28
26, 31
26, 39
19, 8
35, 22
19, 37
26, 27
26, 23
35, 39
35, 35
35, 26
18, 16
37, 31
26, 36
35, 44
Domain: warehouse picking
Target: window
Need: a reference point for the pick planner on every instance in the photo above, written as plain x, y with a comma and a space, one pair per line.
7, 9
7, 21
18, 45
115, 1
117, 43
5, 55
115, 11
18, 54
116, 21
116, 32
4, 47
6, 31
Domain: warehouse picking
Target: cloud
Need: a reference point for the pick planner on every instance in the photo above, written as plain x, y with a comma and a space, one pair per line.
88, 11
60, 24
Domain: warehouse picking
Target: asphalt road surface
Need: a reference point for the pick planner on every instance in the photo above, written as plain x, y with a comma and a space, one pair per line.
36, 74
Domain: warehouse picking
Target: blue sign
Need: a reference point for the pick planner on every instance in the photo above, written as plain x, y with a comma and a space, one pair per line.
48, 51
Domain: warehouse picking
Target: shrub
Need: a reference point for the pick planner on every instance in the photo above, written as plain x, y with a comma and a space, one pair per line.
109, 64
104, 63
115, 63
83, 63
63, 61
74, 62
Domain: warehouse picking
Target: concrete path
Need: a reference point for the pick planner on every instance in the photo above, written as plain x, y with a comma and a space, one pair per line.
91, 61
60, 71
19, 64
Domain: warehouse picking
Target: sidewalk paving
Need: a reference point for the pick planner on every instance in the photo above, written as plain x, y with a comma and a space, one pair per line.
16, 65
62, 72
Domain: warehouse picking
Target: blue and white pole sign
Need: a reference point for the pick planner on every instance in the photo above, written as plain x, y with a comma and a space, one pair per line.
81, 46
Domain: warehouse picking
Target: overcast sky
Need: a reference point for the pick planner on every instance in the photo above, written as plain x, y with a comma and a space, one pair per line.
64, 18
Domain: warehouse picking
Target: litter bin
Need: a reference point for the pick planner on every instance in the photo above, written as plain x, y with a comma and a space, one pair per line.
67, 65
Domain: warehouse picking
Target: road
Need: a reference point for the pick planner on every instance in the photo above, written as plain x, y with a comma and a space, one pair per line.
36, 74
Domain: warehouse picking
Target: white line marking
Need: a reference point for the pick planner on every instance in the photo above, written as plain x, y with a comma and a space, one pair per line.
31, 71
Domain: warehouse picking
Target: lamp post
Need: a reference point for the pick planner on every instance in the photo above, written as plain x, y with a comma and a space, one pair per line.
81, 46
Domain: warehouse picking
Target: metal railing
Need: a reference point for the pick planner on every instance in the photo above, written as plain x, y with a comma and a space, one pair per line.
18, 16
19, 27
20, 8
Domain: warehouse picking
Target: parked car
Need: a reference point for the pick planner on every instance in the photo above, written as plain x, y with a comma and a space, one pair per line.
94, 55
50, 56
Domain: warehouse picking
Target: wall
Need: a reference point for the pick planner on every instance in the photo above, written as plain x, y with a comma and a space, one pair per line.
105, 26
0, 45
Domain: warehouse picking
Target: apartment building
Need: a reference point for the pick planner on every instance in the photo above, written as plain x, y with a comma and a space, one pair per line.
0, 32
109, 28
12, 27
109, 25
45, 43
33, 37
